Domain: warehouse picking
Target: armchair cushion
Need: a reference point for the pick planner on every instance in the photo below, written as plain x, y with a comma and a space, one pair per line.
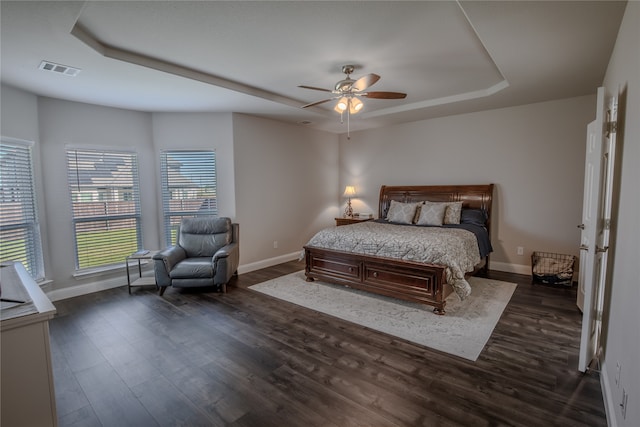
197, 267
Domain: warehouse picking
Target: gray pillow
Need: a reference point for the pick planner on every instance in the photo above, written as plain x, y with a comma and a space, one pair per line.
431, 214
473, 216
401, 213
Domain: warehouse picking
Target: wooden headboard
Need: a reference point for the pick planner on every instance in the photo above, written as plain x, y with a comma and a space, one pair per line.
471, 196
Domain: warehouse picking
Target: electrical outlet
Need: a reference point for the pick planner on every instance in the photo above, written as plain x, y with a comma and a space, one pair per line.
623, 405
520, 250
275, 244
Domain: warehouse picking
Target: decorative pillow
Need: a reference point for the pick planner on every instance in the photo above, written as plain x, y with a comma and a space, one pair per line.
402, 213
473, 216
452, 213
431, 213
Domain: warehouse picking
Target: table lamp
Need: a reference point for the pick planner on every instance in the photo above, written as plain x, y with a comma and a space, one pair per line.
349, 192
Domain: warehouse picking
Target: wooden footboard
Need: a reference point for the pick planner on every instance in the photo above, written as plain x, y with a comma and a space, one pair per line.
410, 281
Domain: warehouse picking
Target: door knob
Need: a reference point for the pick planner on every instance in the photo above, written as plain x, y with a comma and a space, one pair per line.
584, 247
581, 226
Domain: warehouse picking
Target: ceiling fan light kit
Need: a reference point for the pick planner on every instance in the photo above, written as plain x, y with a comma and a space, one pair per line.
352, 104
348, 90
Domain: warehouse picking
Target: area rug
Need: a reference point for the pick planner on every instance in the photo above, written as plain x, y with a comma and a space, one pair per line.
463, 331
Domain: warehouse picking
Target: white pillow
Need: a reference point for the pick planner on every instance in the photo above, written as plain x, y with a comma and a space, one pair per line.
431, 213
402, 213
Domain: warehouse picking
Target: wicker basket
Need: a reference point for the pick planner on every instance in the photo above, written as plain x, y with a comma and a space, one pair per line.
554, 269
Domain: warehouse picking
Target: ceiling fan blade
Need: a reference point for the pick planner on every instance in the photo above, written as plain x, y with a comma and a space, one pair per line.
314, 88
318, 102
385, 95
364, 82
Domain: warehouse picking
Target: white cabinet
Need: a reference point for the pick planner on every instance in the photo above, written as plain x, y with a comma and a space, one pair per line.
27, 389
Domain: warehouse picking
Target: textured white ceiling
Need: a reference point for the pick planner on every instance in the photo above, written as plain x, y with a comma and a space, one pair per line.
249, 57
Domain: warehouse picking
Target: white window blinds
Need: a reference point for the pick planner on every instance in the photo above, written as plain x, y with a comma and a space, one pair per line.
105, 201
188, 187
19, 227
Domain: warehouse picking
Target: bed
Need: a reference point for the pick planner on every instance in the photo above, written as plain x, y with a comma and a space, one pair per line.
345, 255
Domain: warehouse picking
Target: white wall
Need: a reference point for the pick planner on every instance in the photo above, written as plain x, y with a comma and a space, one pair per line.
19, 119
533, 153
62, 123
279, 181
19, 114
621, 335
286, 186
199, 131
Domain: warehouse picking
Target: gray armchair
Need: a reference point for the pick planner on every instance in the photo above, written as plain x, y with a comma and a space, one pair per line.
206, 254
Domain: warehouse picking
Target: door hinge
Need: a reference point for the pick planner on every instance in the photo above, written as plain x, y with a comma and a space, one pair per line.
607, 224
612, 127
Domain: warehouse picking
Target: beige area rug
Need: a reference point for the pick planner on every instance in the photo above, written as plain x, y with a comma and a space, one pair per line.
463, 331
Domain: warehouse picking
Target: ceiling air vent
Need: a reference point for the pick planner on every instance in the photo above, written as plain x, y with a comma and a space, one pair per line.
59, 68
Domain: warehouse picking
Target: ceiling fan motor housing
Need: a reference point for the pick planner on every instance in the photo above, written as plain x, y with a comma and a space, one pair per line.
344, 85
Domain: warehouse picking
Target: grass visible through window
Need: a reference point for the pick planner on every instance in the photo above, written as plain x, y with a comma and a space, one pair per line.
99, 248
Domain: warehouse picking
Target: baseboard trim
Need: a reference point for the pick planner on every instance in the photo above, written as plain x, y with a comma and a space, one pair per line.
87, 288
115, 282
510, 268
269, 262
74, 291
607, 397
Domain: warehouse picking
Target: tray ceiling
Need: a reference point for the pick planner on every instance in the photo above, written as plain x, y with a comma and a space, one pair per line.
249, 57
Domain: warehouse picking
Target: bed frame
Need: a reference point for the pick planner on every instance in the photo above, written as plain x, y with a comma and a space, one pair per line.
407, 280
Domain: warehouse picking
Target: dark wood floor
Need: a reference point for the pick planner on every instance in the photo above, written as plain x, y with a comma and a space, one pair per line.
245, 359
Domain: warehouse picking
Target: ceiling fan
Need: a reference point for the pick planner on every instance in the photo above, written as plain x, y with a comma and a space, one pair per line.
348, 91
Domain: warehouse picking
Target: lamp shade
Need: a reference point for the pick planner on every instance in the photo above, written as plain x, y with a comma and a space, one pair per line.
355, 105
349, 191
342, 105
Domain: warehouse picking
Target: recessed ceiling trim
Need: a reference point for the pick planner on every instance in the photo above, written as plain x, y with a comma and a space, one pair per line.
481, 93
484, 46
112, 52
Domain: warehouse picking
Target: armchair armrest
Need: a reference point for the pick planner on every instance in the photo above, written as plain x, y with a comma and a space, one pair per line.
164, 261
225, 263
225, 251
171, 256
230, 250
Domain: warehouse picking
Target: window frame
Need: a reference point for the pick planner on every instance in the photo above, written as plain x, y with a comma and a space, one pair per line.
107, 195
26, 196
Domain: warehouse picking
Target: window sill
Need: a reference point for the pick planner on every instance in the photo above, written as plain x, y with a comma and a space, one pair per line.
97, 271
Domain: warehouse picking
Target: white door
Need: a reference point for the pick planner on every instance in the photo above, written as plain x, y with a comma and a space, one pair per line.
596, 218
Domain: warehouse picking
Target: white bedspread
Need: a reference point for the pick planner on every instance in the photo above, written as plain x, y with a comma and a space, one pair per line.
456, 249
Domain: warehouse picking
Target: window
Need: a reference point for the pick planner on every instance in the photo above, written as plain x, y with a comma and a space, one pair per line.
105, 200
19, 227
188, 187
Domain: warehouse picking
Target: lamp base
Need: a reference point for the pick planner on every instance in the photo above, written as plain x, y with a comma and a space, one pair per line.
348, 212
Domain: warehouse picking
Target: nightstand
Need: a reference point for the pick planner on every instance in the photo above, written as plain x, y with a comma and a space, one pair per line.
346, 221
